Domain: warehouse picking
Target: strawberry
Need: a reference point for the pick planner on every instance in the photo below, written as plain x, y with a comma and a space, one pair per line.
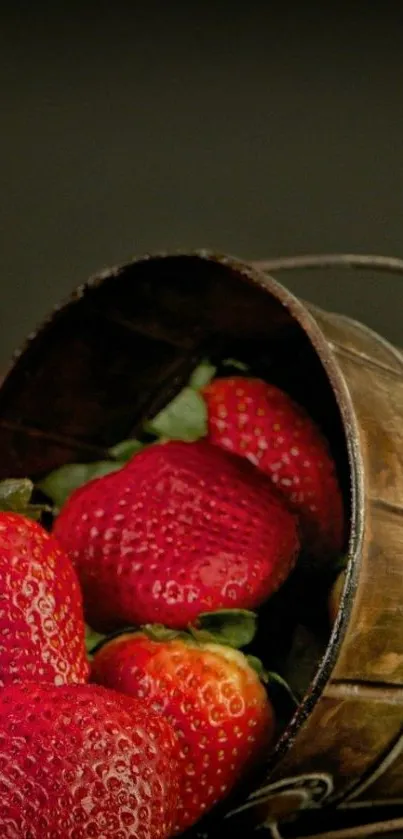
257, 420
183, 528
41, 612
212, 697
82, 762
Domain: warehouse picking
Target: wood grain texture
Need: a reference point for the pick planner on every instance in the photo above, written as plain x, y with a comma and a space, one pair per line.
355, 731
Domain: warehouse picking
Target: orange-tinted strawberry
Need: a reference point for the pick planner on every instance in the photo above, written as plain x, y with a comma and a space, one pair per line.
184, 528
41, 613
213, 699
82, 762
259, 421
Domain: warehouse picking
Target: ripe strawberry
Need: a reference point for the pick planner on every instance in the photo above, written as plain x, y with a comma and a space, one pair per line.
252, 418
213, 699
82, 762
41, 613
184, 528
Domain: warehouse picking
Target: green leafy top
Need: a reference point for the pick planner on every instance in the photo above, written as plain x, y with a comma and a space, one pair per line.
233, 627
15, 497
202, 375
60, 483
125, 450
185, 418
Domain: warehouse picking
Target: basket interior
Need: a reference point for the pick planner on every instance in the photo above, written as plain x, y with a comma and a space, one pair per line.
125, 344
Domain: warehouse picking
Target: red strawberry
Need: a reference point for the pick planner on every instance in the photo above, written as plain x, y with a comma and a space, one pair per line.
41, 613
259, 421
82, 762
213, 699
182, 529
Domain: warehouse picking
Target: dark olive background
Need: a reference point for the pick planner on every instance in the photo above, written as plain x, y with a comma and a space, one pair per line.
255, 128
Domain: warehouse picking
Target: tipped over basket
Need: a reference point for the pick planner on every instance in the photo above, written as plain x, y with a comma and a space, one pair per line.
120, 348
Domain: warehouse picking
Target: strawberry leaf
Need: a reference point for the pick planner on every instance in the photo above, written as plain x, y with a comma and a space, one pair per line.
232, 627
258, 667
185, 418
92, 639
15, 493
202, 375
15, 497
281, 693
125, 450
159, 632
96, 640
60, 483
237, 365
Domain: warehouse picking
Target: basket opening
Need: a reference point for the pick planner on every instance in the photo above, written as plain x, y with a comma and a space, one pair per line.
122, 347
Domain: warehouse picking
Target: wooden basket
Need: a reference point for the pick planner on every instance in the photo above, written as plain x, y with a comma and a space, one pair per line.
119, 349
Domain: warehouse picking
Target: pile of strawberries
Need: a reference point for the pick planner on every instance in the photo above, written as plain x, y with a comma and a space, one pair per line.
167, 557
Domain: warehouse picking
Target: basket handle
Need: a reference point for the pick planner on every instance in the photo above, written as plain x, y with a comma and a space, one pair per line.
387, 264
376, 830
333, 828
